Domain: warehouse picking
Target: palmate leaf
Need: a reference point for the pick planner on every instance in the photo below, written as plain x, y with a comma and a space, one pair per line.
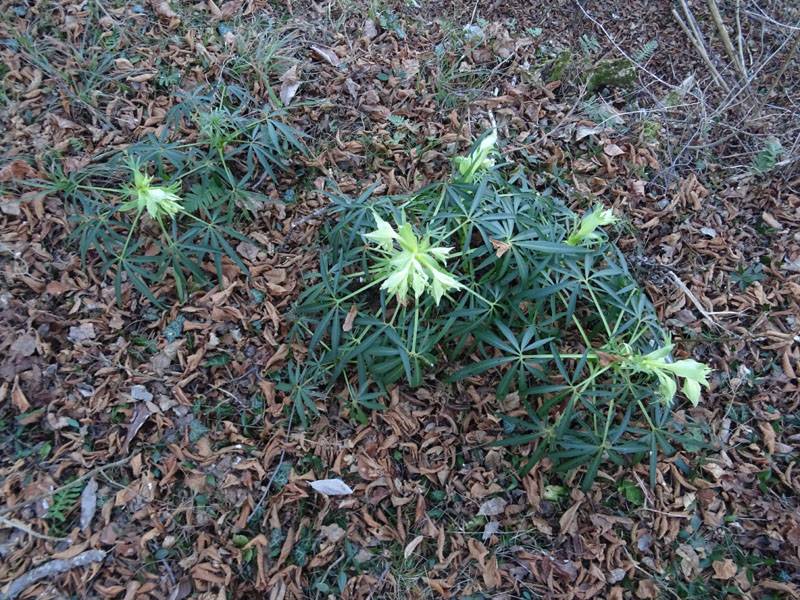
134, 268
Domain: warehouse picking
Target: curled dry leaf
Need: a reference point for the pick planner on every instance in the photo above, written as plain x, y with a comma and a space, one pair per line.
370, 30
491, 528
24, 345
88, 504
770, 220
493, 507
290, 83
331, 487
350, 318
163, 10
723, 569
17, 169
500, 248
81, 333
140, 414
333, 533
18, 399
326, 54
412, 545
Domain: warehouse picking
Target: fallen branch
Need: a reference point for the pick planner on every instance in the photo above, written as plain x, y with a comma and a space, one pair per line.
29, 531
88, 475
51, 569
695, 37
707, 316
726, 39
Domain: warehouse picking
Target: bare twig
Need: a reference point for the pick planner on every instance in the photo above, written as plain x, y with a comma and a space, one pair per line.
740, 36
328, 570
726, 39
51, 569
309, 217
778, 76
707, 316
80, 479
378, 583
694, 37
165, 564
26, 529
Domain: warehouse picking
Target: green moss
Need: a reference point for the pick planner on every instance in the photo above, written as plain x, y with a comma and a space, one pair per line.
560, 64
611, 73
652, 131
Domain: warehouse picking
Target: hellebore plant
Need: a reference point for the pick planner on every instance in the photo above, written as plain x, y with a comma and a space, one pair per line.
484, 280
191, 192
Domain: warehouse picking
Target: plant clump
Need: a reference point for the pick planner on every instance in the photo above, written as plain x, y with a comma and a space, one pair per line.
486, 279
196, 192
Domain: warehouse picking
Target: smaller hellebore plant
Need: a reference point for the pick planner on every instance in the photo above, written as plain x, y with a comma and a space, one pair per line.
196, 190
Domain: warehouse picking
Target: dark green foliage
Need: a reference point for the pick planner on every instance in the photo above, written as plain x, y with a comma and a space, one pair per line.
530, 319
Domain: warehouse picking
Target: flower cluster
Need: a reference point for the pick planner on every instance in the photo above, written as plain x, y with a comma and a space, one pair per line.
478, 160
694, 374
590, 223
157, 201
415, 264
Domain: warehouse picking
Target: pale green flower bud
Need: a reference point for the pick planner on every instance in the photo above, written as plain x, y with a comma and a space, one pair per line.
478, 159
590, 223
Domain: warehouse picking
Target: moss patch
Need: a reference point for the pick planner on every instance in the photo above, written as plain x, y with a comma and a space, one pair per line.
560, 64
611, 73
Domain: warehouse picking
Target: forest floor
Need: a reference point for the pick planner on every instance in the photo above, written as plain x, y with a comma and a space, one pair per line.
191, 479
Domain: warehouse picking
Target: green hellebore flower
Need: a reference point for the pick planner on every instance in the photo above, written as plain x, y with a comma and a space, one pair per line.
415, 265
384, 235
591, 222
478, 159
157, 201
694, 374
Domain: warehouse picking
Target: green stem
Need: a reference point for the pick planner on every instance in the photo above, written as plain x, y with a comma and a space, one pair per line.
441, 199
121, 255
599, 309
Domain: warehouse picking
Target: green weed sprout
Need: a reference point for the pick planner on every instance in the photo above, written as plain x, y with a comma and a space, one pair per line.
414, 264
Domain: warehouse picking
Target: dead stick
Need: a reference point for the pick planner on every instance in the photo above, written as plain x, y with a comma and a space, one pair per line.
29, 531
88, 475
726, 39
697, 42
51, 569
378, 584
